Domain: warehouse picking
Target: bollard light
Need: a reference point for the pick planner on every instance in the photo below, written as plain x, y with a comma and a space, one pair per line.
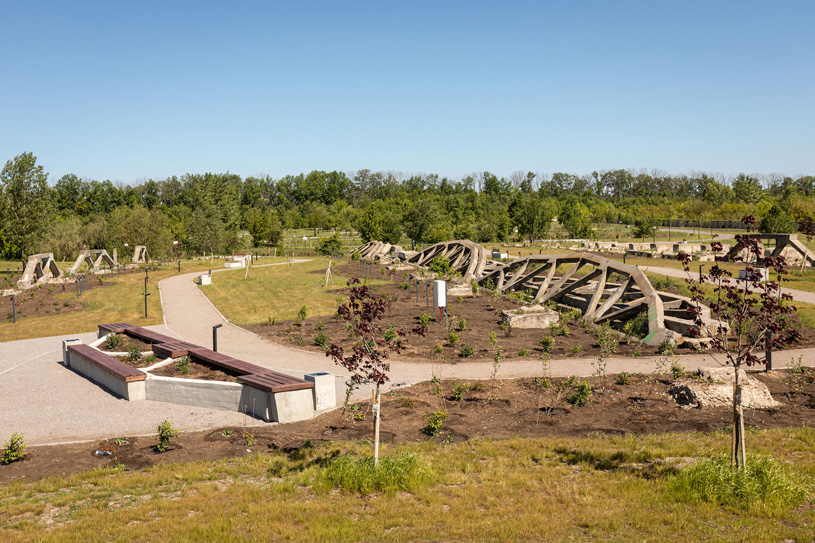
215, 337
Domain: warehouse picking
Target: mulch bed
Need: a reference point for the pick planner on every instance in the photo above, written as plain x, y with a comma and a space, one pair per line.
500, 409
482, 316
196, 371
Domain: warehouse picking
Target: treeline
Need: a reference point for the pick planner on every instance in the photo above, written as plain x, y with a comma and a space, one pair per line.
217, 213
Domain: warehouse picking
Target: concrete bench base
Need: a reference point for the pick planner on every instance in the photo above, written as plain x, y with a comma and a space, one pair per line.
130, 391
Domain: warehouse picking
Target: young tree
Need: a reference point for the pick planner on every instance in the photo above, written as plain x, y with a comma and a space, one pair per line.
368, 359
745, 312
26, 201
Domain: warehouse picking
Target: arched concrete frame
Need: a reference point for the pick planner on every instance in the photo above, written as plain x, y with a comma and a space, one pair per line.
466, 257
87, 257
373, 249
782, 241
39, 269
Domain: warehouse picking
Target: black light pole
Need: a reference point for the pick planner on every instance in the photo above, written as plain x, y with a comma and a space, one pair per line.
77, 286
768, 348
179, 266
215, 337
13, 310
146, 294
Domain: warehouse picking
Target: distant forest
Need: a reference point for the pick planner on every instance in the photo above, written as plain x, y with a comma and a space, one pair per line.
222, 212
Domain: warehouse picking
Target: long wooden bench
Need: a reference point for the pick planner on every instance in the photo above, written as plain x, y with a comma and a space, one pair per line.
274, 382
173, 349
148, 336
115, 328
238, 367
108, 364
126, 381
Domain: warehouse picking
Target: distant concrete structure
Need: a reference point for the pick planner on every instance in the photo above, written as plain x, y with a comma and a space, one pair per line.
140, 254
93, 259
786, 245
39, 269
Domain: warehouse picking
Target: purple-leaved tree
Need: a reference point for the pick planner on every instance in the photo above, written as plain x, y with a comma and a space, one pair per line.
744, 313
367, 360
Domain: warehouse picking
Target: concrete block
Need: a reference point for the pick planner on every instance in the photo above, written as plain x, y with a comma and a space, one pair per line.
204, 279
324, 391
210, 394
129, 391
762, 274
292, 406
257, 402
65, 343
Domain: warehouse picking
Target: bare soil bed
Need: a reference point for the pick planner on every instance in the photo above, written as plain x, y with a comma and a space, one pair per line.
196, 371
481, 315
502, 409
41, 301
127, 342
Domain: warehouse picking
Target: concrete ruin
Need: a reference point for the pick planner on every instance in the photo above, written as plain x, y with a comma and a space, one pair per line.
140, 255
94, 259
606, 291
39, 269
786, 245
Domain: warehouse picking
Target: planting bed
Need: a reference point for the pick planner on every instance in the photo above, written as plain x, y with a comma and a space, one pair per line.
517, 408
196, 371
482, 316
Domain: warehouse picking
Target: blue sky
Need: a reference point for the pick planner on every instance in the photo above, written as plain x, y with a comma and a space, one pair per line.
132, 90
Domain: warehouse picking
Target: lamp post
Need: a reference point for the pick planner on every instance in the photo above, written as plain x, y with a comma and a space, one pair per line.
215, 337
146, 294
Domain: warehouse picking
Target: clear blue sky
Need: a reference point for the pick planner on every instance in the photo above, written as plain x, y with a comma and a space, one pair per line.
132, 90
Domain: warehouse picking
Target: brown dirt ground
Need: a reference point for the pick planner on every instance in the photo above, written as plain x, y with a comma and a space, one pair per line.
482, 316
41, 301
503, 409
197, 371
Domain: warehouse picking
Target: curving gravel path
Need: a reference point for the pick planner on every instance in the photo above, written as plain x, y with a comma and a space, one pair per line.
51, 404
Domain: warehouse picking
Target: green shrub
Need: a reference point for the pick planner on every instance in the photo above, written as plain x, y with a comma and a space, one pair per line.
355, 256
467, 350
462, 325
301, 315
524, 352
459, 390
183, 365
165, 432
546, 343
764, 486
624, 378
577, 349
321, 340
319, 326
134, 353
677, 369
492, 339
150, 358
666, 347
113, 342
14, 449
580, 394
404, 472
453, 338
434, 422
329, 245
636, 327
390, 334
558, 328
425, 318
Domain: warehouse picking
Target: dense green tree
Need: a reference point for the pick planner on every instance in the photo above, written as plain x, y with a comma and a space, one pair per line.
777, 221
532, 215
575, 218
644, 226
206, 232
25, 202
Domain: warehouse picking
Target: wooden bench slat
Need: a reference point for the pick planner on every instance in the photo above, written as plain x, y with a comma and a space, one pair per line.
109, 364
234, 365
148, 335
275, 382
115, 328
173, 349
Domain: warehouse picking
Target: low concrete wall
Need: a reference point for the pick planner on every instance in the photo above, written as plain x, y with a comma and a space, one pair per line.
130, 391
210, 394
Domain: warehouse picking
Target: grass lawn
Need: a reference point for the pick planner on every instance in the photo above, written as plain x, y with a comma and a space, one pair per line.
597, 488
276, 292
121, 300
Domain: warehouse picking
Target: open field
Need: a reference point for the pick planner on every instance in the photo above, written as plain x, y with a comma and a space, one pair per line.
276, 292
117, 299
608, 488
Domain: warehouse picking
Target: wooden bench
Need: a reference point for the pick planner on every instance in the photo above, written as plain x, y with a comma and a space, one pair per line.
238, 367
115, 328
148, 336
173, 349
274, 382
108, 364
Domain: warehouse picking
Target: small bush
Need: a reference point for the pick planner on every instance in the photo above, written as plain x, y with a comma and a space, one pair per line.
624, 378
301, 315
764, 486
183, 365
558, 328
459, 390
546, 343
390, 334
677, 369
524, 352
425, 318
14, 450
134, 353
113, 342
150, 358
580, 394
467, 350
666, 347
492, 339
165, 432
577, 349
543, 382
462, 325
319, 326
435, 422
453, 339
321, 340
404, 472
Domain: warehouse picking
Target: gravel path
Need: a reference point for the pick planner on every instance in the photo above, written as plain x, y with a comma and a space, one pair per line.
51, 404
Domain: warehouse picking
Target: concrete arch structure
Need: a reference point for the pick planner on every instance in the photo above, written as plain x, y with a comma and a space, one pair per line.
465, 256
782, 242
39, 269
373, 249
140, 254
94, 259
